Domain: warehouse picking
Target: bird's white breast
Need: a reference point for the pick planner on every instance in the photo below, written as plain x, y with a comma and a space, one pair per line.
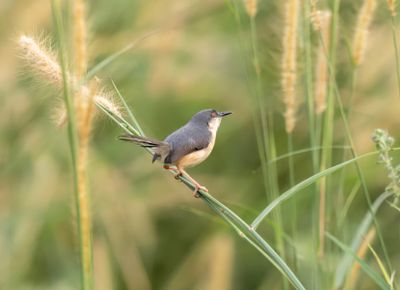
199, 156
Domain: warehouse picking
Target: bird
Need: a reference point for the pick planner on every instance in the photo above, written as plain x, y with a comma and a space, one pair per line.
186, 147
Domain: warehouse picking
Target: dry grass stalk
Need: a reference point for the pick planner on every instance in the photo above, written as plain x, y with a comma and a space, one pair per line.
251, 7
40, 60
361, 253
83, 101
315, 15
80, 34
289, 63
392, 7
361, 31
321, 74
43, 62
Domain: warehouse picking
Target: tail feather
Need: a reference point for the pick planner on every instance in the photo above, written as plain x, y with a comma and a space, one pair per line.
161, 148
141, 141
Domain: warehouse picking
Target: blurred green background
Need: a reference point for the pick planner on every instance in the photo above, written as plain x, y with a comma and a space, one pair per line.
149, 232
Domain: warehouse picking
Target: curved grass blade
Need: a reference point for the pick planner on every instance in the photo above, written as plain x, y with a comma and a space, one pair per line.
108, 60
305, 150
135, 122
366, 268
295, 189
385, 273
347, 259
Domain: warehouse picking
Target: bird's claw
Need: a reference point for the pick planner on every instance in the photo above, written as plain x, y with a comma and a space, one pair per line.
178, 176
197, 188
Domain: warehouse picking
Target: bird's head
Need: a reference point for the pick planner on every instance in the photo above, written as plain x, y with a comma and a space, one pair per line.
210, 118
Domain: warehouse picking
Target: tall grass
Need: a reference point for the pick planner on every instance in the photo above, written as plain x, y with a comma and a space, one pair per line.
307, 66
79, 103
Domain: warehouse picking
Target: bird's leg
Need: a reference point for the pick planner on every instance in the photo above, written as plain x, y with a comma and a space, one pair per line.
169, 167
197, 186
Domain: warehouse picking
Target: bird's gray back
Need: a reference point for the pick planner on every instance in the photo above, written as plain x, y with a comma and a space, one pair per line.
187, 139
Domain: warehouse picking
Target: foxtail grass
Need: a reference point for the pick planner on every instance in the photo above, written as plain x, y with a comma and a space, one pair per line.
289, 64
328, 123
40, 60
362, 29
321, 71
78, 113
289, 90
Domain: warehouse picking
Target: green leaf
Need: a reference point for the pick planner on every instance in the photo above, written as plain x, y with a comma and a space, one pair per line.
298, 187
364, 266
346, 261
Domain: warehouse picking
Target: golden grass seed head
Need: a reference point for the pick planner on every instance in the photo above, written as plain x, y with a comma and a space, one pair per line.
106, 100
289, 64
40, 59
362, 29
251, 7
322, 71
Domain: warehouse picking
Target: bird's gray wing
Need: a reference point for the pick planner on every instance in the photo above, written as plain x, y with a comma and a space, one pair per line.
187, 140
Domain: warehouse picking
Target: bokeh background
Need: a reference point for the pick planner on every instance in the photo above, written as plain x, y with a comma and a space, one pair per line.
149, 232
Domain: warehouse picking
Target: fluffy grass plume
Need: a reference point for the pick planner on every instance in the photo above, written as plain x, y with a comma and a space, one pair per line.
361, 31
289, 63
106, 101
251, 7
321, 81
40, 59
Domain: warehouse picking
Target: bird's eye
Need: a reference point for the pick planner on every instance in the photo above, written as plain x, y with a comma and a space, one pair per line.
214, 114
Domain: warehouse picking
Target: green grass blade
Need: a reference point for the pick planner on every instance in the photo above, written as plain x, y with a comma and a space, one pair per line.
382, 267
119, 120
364, 266
396, 51
261, 244
135, 122
346, 261
305, 150
107, 61
295, 189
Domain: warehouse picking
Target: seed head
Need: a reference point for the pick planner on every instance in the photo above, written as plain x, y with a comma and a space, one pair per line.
40, 60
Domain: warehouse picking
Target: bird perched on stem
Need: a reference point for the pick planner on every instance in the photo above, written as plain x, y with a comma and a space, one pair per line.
186, 147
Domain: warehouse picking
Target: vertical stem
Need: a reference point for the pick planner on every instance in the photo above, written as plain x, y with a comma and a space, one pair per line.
78, 155
267, 130
327, 141
293, 202
396, 51
290, 159
84, 103
308, 84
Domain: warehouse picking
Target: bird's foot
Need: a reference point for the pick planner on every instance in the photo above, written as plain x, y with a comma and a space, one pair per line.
178, 176
197, 188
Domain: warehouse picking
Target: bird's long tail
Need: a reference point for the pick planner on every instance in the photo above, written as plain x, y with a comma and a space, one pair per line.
161, 149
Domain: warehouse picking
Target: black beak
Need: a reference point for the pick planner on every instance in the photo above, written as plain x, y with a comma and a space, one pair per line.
223, 114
